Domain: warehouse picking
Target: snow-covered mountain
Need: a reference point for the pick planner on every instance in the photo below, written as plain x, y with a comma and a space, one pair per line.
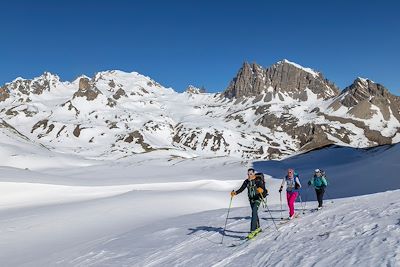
264, 113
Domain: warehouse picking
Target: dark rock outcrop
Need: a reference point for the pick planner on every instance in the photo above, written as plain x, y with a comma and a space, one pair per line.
4, 93
86, 90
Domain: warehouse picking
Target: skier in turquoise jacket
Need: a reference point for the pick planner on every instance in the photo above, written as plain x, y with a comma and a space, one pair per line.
319, 182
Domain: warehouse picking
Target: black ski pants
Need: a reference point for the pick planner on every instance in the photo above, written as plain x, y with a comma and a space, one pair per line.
320, 195
255, 221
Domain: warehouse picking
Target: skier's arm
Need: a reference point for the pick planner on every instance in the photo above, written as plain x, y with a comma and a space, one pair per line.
244, 185
311, 181
324, 181
282, 184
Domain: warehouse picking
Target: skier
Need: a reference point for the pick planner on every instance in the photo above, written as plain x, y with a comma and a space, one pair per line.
319, 182
256, 192
292, 190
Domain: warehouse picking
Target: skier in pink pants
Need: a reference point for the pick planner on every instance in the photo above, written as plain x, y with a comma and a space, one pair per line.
292, 190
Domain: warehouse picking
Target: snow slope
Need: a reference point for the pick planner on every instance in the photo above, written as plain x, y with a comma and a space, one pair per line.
360, 231
154, 210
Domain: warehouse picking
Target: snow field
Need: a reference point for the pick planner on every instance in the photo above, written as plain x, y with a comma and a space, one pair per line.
157, 209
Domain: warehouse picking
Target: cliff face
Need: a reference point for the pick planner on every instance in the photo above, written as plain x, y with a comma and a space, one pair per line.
282, 77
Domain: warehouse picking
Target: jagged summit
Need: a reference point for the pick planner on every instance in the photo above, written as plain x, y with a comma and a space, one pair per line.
45, 76
364, 98
309, 70
36, 86
195, 90
362, 89
282, 79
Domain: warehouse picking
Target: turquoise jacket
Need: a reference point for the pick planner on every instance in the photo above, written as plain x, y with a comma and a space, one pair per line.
318, 182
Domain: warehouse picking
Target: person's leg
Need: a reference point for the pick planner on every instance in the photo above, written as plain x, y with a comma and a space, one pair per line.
292, 199
321, 197
318, 192
251, 221
254, 215
258, 203
290, 203
288, 200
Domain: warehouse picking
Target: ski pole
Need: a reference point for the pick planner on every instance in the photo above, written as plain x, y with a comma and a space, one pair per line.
301, 203
226, 221
280, 196
272, 218
305, 204
264, 202
326, 192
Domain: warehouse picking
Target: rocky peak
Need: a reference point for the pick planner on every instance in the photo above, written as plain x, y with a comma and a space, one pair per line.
290, 64
48, 76
363, 89
44, 83
86, 89
365, 98
248, 81
195, 90
4, 93
36, 86
84, 84
284, 76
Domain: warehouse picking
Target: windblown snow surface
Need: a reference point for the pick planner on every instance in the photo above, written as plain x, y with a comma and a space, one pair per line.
158, 210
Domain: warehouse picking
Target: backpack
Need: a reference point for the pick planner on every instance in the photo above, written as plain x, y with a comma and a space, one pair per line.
295, 175
252, 187
260, 176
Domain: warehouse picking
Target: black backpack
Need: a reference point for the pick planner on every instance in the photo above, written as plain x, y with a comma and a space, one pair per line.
260, 176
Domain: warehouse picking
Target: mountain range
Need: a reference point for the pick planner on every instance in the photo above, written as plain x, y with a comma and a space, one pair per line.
264, 113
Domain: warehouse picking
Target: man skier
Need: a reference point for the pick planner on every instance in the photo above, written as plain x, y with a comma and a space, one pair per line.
292, 190
256, 192
319, 182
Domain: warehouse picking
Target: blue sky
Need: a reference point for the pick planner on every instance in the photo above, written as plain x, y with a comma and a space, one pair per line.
203, 43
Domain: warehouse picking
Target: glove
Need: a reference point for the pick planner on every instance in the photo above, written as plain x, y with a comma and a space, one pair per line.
260, 190
296, 186
233, 193
280, 189
309, 182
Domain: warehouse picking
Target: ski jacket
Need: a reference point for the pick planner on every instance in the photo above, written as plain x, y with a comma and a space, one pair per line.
252, 186
291, 183
318, 182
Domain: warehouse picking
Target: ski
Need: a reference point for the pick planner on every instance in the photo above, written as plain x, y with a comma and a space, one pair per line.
316, 209
244, 240
285, 221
